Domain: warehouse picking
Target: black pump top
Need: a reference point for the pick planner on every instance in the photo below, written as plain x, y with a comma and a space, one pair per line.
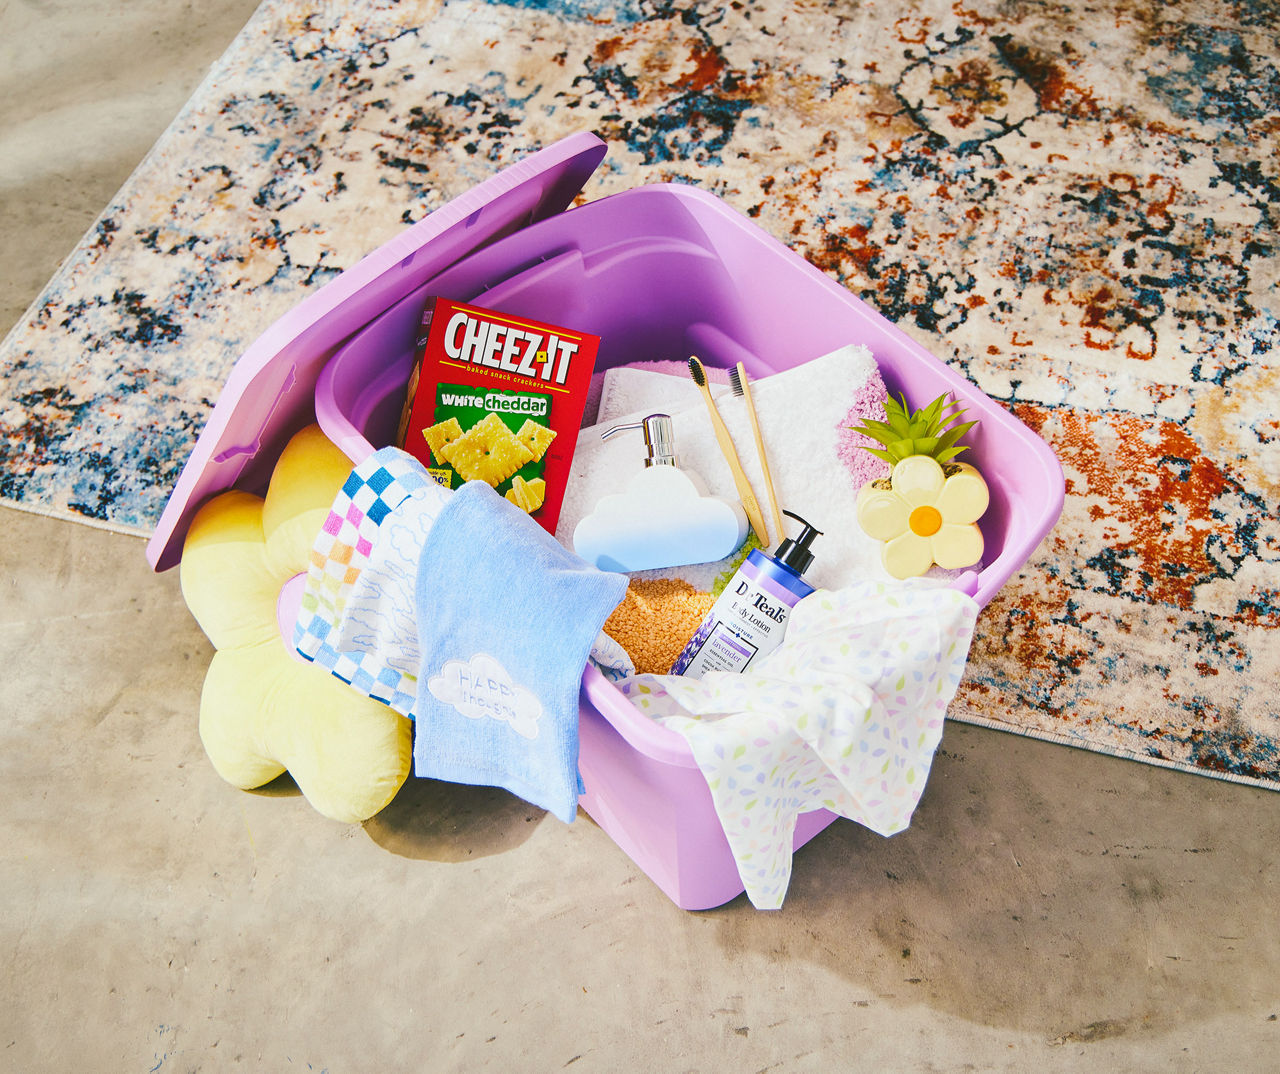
795, 555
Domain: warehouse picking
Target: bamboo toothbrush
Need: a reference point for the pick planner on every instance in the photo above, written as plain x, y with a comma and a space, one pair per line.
741, 386
730, 454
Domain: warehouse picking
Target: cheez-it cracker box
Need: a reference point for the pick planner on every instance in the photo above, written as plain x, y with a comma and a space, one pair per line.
498, 399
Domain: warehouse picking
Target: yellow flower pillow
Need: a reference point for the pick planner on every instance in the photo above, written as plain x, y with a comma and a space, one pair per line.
265, 710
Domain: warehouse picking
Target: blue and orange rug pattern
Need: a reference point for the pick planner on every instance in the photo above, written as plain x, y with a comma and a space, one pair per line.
1075, 206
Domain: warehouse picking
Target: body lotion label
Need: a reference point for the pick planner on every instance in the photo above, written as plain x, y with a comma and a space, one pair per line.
747, 621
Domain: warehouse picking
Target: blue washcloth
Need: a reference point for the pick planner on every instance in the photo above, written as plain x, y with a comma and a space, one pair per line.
506, 619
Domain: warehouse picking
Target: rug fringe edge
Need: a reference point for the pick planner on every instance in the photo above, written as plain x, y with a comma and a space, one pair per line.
1119, 754
65, 515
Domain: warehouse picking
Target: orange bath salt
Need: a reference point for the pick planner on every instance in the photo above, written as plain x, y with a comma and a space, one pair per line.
655, 620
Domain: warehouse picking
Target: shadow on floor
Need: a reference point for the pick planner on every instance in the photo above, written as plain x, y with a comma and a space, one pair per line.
451, 822
1043, 890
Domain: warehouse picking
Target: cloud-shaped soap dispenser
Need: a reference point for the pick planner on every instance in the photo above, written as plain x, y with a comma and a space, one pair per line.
664, 517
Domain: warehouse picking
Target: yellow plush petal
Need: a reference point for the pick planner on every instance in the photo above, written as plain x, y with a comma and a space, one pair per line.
225, 578
308, 476
231, 728
957, 545
918, 479
964, 497
907, 556
881, 514
349, 754
263, 712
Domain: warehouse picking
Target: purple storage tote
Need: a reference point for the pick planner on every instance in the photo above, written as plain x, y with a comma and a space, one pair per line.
657, 272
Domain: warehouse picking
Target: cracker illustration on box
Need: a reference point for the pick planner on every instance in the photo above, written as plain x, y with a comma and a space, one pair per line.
441, 435
537, 438
487, 452
498, 399
527, 495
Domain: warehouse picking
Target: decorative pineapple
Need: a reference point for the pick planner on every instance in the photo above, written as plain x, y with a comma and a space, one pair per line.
927, 510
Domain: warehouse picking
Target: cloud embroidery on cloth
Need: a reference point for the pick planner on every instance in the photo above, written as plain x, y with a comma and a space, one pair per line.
482, 687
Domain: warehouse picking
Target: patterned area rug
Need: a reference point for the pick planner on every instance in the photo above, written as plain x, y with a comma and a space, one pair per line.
1074, 205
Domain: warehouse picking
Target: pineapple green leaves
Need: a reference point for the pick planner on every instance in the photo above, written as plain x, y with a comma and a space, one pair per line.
929, 431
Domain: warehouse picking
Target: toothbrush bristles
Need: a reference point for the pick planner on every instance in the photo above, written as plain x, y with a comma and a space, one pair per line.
735, 381
697, 372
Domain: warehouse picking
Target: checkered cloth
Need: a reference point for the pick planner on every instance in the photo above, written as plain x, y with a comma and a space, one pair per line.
374, 489
380, 618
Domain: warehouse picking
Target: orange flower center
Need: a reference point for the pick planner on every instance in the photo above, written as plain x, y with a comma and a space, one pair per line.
925, 521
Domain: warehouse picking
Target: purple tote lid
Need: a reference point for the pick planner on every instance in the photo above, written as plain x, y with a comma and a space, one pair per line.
269, 394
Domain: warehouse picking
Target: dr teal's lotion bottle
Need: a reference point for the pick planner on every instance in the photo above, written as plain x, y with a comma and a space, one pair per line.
750, 617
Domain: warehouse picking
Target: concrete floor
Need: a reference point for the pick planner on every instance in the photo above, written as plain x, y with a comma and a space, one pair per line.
1048, 909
